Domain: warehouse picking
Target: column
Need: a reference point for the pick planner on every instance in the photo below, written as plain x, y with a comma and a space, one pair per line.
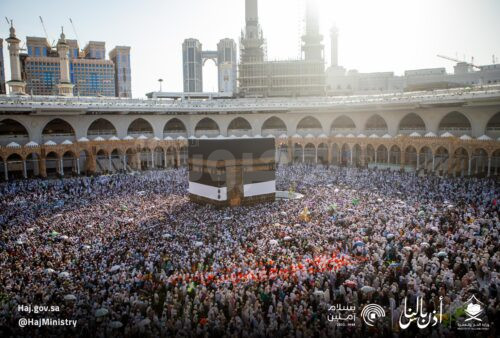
164, 159
25, 171
375, 157
61, 167
138, 163
42, 165
124, 161
152, 159
418, 161
109, 162
6, 170
433, 162
329, 155
470, 166
316, 149
352, 151
303, 154
178, 158
402, 159
489, 166
78, 165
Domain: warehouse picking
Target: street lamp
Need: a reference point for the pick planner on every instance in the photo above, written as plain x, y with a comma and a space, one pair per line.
160, 81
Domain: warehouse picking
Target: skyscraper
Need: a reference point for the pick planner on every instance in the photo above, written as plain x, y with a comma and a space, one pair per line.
227, 65
192, 65
120, 56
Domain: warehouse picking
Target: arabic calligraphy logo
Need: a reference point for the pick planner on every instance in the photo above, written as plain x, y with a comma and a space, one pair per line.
474, 309
342, 316
371, 313
409, 315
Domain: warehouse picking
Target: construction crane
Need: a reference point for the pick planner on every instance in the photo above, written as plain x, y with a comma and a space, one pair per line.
74, 29
45, 30
459, 61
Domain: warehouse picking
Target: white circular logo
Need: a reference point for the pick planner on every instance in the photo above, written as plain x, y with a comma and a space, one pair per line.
371, 313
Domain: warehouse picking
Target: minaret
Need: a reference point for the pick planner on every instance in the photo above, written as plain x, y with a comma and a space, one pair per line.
65, 86
252, 39
334, 36
312, 47
16, 84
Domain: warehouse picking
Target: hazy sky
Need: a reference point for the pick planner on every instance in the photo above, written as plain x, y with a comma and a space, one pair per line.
381, 35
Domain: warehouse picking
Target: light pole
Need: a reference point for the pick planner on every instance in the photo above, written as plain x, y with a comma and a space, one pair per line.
160, 81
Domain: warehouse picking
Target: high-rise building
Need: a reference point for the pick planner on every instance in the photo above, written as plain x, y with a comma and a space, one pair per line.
227, 66
120, 56
2, 70
259, 77
192, 65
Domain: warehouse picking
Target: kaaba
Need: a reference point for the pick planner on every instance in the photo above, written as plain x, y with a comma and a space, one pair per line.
232, 171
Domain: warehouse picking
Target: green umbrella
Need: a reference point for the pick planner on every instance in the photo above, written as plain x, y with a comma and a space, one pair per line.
355, 201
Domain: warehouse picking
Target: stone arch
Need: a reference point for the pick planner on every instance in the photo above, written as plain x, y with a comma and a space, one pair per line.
101, 127
395, 155
298, 153
455, 123
15, 166
441, 160
159, 157
13, 131
370, 153
33, 165
376, 124
425, 158
322, 152
103, 164
493, 126
239, 127
282, 154
382, 154
140, 127
69, 165
460, 162
52, 164
273, 126
495, 163
117, 160
309, 125
146, 158
207, 127
342, 124
410, 156
356, 155
479, 162
411, 123
58, 130
310, 153
175, 128
345, 154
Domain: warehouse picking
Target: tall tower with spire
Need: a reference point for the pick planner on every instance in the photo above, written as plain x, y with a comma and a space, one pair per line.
312, 47
16, 84
252, 40
334, 37
65, 87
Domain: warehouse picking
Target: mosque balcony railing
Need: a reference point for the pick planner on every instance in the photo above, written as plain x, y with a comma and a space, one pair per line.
19, 139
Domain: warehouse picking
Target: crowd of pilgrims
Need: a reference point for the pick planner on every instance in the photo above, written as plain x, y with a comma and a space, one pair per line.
129, 254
